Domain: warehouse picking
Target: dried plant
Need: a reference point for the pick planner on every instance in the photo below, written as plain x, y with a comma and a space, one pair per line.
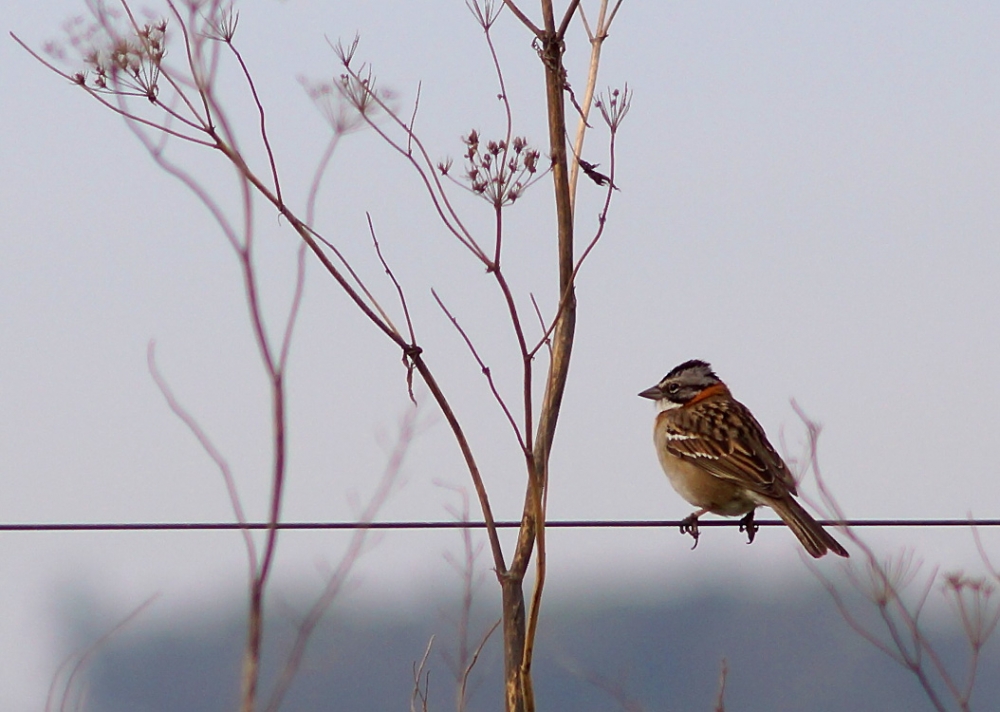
65, 694
466, 656
720, 698
898, 590
126, 65
421, 681
500, 174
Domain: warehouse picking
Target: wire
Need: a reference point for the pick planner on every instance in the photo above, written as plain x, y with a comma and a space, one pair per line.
556, 524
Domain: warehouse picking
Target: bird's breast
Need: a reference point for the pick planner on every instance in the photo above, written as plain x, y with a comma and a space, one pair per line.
699, 486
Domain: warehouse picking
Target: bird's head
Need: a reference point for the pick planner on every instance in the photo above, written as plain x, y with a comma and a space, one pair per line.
682, 385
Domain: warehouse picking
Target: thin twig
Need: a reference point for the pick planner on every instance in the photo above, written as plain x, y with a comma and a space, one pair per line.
541, 322
260, 112
484, 368
987, 562
413, 120
885, 592
208, 446
567, 293
425, 167
596, 44
567, 16
421, 677
107, 104
395, 282
321, 167
293, 310
720, 699
83, 658
475, 659
523, 18
337, 579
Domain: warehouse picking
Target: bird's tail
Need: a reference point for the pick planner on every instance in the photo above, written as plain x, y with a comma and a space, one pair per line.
816, 540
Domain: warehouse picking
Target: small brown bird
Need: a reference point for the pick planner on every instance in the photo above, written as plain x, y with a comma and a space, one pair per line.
717, 457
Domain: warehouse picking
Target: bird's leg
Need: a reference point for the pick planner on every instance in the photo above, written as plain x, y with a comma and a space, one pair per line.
748, 525
689, 525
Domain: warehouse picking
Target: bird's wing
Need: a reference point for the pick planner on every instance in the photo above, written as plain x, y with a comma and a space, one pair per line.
723, 437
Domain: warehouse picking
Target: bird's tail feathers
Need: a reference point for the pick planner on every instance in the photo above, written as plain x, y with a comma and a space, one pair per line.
816, 540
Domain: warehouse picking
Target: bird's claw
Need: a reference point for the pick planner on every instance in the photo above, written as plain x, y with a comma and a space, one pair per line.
689, 525
748, 525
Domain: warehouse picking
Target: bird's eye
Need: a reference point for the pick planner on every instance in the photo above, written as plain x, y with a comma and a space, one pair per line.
673, 388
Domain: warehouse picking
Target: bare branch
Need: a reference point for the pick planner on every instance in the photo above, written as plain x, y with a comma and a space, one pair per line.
321, 167
508, 168
337, 579
522, 17
720, 700
260, 112
567, 16
360, 90
207, 446
597, 37
372, 308
421, 678
395, 282
484, 368
413, 120
475, 658
541, 322
564, 300
886, 589
987, 562
81, 659
78, 80
406, 311
293, 311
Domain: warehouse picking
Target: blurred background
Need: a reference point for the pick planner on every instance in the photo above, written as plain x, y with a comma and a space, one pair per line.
808, 201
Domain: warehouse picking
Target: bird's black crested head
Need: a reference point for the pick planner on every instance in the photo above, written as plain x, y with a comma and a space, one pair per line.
682, 384
696, 367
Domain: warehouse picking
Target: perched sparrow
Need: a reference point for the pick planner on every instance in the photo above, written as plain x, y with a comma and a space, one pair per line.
717, 457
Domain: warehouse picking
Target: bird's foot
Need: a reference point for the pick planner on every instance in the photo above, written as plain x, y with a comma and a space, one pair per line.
748, 525
689, 525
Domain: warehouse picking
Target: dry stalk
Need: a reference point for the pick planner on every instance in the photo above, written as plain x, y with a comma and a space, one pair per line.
80, 661
897, 590
462, 665
125, 72
335, 582
421, 681
597, 35
720, 699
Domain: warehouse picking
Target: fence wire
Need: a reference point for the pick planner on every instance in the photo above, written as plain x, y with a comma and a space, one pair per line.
410, 525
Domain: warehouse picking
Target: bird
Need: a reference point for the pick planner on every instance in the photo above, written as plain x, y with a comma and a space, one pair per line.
717, 456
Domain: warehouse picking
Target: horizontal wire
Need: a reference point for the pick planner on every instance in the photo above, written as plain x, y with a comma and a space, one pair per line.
555, 524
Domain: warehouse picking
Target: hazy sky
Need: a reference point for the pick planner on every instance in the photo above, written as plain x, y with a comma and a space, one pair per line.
808, 200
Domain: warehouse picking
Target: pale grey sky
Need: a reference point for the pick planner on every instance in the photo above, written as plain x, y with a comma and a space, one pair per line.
809, 201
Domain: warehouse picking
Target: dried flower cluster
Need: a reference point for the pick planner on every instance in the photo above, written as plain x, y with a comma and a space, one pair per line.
126, 64
357, 87
977, 609
345, 103
615, 107
362, 93
496, 171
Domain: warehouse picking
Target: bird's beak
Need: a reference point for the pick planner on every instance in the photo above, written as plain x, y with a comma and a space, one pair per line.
654, 393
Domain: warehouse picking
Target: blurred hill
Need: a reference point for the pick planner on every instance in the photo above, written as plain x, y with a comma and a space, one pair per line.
784, 653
